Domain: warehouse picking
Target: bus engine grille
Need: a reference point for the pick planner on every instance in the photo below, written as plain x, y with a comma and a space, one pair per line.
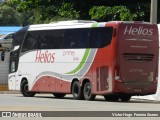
138, 57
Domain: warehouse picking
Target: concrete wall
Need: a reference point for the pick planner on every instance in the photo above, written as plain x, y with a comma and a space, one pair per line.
4, 70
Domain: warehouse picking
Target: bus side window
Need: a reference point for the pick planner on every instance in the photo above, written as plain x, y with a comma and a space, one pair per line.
58, 42
82, 38
100, 37
54, 39
30, 42
43, 44
70, 39
50, 41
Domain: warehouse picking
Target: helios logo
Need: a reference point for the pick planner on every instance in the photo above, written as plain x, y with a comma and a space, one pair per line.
44, 57
138, 31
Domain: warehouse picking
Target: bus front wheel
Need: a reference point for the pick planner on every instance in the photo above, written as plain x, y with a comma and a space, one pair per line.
24, 89
76, 91
87, 91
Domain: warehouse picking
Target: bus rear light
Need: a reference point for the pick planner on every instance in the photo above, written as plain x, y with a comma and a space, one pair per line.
116, 77
116, 71
156, 74
117, 74
155, 81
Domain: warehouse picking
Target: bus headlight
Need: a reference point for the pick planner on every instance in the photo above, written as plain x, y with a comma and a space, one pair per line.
12, 66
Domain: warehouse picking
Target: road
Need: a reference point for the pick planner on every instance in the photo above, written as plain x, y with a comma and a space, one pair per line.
47, 102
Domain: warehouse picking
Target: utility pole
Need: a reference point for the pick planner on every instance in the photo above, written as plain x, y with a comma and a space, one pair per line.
153, 11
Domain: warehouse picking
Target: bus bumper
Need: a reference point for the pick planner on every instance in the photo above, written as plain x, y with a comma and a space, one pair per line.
135, 89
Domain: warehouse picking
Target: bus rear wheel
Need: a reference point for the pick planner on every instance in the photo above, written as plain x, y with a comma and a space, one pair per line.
59, 95
125, 98
112, 98
76, 91
24, 89
87, 91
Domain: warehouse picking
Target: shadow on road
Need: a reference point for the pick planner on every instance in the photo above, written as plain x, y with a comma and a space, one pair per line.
98, 99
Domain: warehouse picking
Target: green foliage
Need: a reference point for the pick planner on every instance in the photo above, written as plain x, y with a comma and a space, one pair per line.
67, 11
41, 11
45, 11
123, 13
8, 16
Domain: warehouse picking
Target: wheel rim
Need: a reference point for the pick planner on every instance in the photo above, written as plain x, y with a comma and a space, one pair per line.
26, 87
76, 90
88, 90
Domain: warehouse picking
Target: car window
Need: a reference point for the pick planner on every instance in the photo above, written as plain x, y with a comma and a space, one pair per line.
6, 41
10, 36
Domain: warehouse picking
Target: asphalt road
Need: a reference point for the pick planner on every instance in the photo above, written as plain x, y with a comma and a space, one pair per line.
47, 102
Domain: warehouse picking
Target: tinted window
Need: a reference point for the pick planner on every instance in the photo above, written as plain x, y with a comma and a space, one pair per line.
52, 38
82, 38
68, 38
19, 36
100, 37
30, 42
48, 39
9, 36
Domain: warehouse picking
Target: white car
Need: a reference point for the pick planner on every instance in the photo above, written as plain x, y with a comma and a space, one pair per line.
6, 41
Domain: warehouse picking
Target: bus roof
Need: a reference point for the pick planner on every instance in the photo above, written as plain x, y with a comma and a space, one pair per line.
62, 25
130, 22
75, 24
73, 21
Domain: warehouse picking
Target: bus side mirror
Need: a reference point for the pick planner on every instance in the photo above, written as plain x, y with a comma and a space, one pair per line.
2, 55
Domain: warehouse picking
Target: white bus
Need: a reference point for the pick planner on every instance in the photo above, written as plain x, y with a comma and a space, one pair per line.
85, 58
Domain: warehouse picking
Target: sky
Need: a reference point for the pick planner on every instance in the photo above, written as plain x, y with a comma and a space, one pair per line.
9, 29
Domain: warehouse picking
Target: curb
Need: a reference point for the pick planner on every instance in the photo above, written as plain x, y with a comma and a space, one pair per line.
9, 92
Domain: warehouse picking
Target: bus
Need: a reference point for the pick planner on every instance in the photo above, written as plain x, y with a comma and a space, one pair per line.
116, 59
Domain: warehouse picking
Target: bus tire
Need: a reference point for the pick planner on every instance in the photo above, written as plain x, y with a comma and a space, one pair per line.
87, 91
76, 91
59, 95
24, 89
125, 98
112, 98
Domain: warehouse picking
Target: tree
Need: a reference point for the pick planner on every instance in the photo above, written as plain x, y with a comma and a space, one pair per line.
107, 13
158, 16
138, 10
46, 11
8, 16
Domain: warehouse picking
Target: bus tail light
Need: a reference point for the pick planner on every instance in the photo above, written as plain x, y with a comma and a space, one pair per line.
116, 77
155, 80
117, 74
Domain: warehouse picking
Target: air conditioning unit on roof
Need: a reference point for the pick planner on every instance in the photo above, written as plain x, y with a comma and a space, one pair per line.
74, 21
